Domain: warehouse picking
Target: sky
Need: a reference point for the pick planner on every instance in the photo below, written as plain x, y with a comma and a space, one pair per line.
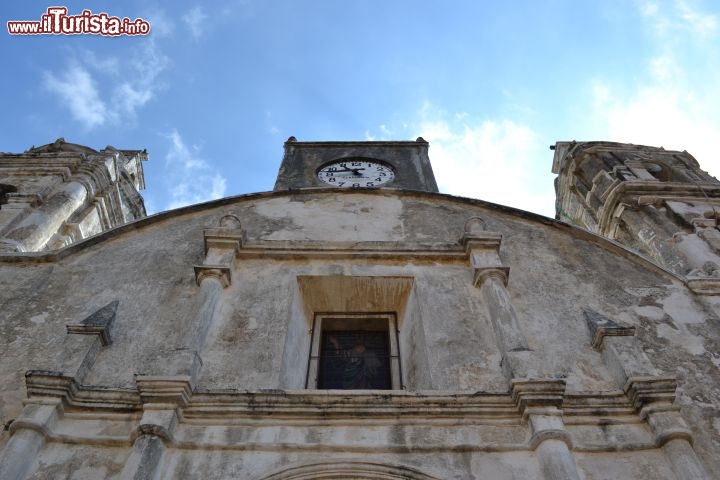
215, 88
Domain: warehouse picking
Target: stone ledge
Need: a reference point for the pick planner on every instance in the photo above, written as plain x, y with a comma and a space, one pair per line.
231, 238
537, 393
171, 389
703, 286
601, 327
644, 390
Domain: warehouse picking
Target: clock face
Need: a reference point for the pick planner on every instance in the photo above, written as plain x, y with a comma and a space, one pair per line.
356, 173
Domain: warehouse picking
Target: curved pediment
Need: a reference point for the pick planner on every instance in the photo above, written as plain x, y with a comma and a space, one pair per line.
337, 470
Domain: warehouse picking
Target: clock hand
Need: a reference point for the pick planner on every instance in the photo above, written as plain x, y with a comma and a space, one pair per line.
355, 171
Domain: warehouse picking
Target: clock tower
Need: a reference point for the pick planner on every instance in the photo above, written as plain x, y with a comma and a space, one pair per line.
399, 165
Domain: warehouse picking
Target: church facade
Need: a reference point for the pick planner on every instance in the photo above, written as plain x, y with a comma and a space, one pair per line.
356, 323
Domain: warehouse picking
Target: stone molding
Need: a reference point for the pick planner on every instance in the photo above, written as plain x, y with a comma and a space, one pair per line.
38, 417
601, 327
170, 411
667, 423
158, 420
483, 251
302, 249
171, 390
49, 384
220, 272
645, 390
530, 393
45, 385
625, 191
482, 274
328, 403
232, 238
703, 285
99, 323
348, 469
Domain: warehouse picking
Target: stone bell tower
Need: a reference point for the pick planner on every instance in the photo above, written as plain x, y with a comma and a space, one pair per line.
59, 193
395, 164
656, 201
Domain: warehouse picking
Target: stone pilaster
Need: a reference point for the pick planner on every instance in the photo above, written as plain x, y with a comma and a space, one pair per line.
649, 391
33, 232
27, 437
491, 277
212, 276
540, 403
162, 397
537, 393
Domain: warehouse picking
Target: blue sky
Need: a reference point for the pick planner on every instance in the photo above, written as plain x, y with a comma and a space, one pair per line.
216, 88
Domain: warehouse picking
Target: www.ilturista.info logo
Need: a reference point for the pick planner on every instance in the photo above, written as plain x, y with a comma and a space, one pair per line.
57, 22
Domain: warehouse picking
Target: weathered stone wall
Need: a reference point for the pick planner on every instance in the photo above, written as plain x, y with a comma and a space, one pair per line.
461, 415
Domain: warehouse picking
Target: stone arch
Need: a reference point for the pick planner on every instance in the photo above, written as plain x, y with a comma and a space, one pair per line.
345, 470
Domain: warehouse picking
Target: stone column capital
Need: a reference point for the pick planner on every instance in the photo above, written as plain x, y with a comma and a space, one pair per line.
221, 273
159, 420
38, 415
481, 274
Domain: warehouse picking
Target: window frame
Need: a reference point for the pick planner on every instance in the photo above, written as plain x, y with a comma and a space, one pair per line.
354, 321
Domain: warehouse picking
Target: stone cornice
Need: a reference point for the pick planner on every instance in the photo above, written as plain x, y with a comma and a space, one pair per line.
532, 393
704, 285
327, 249
233, 238
253, 420
642, 391
619, 193
307, 404
566, 228
173, 390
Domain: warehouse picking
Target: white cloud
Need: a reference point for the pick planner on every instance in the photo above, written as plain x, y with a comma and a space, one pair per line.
77, 91
190, 178
132, 92
195, 19
663, 115
497, 160
676, 100
700, 23
678, 16
160, 24
84, 85
500, 161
